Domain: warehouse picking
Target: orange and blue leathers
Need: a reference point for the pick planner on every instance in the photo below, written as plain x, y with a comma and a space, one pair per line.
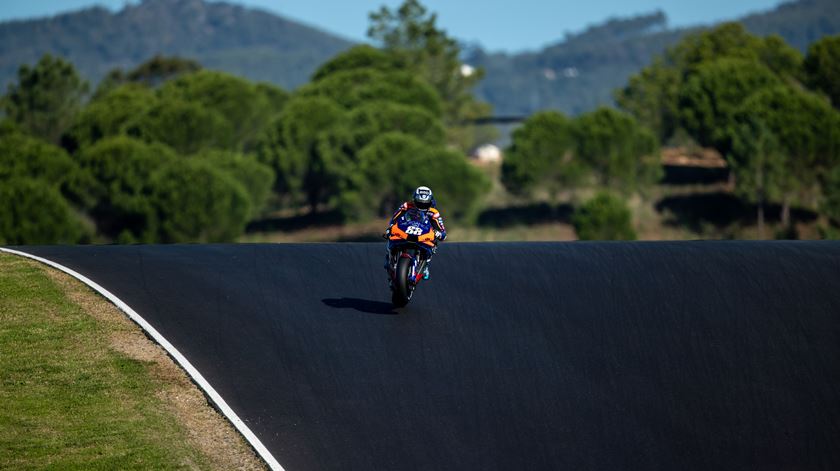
433, 213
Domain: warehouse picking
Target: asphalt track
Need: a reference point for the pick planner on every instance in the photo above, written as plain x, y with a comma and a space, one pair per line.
601, 356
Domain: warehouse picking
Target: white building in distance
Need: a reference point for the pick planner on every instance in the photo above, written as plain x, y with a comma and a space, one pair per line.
487, 154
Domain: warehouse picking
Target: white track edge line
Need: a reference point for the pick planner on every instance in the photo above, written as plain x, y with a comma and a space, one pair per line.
172, 351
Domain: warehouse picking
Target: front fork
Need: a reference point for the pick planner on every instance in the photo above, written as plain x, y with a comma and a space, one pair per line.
416, 271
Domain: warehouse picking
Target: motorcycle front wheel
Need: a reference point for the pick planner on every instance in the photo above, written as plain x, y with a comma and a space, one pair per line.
402, 288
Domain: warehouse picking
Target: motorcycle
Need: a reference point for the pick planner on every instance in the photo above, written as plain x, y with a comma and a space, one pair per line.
411, 242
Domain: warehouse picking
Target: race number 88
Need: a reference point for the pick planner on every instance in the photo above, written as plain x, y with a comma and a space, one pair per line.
414, 230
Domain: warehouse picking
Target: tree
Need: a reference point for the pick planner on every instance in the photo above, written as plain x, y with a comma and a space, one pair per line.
45, 98
831, 202
621, 153
652, 95
160, 69
109, 115
292, 145
194, 202
394, 164
23, 156
255, 178
246, 107
185, 126
542, 151
710, 97
375, 118
604, 217
411, 32
353, 88
822, 67
780, 57
805, 129
360, 57
151, 74
758, 163
122, 168
33, 212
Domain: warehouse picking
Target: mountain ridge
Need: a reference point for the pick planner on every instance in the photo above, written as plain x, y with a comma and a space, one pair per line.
574, 74
245, 41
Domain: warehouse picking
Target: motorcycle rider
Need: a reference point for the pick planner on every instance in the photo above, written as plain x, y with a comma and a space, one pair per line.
423, 200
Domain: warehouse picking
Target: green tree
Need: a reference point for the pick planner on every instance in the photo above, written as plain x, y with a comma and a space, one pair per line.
353, 88
109, 115
542, 151
394, 164
160, 69
759, 164
831, 202
294, 143
45, 98
152, 73
622, 154
411, 32
194, 202
780, 57
604, 217
34, 212
459, 186
246, 107
363, 57
122, 168
23, 156
805, 131
822, 67
709, 99
185, 126
374, 118
255, 178
652, 95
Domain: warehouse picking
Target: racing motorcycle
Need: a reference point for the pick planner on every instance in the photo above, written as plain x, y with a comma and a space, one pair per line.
411, 242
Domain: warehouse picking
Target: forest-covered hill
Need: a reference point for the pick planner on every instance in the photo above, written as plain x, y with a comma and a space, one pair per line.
574, 75
247, 42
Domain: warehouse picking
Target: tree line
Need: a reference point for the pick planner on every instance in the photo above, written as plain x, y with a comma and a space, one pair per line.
170, 152
772, 113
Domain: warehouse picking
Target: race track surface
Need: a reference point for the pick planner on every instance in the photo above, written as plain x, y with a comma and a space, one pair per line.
579, 356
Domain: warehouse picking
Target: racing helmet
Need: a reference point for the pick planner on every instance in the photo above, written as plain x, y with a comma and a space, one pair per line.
423, 197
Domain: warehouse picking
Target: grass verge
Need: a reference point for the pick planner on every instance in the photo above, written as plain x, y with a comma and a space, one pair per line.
81, 387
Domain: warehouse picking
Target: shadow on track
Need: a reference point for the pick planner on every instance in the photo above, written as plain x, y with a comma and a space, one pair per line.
362, 305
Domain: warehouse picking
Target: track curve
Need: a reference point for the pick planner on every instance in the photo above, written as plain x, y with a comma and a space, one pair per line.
684, 355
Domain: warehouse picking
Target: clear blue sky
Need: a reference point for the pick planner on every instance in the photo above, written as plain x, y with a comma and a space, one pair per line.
510, 25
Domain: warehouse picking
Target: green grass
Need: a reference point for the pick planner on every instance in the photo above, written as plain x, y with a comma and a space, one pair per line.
67, 400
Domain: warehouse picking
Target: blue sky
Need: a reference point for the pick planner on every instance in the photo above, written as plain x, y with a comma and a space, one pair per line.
510, 25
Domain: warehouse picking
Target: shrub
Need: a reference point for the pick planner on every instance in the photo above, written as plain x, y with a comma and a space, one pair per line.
604, 217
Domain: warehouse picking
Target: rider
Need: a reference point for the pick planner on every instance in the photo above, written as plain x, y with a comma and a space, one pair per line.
424, 201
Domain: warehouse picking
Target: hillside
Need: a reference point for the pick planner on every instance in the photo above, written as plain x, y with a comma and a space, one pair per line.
580, 72
248, 42
573, 75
